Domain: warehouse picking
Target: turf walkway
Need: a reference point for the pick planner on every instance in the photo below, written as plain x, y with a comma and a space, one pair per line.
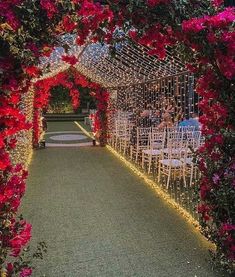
98, 219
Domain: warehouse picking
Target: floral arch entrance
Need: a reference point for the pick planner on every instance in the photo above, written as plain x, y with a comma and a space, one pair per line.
165, 36
74, 81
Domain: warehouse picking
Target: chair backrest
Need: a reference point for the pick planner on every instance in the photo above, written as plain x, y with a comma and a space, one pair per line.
177, 151
120, 127
172, 129
194, 139
157, 140
186, 128
143, 135
175, 139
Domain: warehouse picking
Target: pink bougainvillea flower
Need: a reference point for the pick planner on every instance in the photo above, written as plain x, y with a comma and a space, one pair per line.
216, 179
68, 24
153, 3
217, 3
50, 7
33, 71
70, 59
27, 271
20, 239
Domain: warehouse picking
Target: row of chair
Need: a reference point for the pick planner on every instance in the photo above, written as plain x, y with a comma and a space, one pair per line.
168, 152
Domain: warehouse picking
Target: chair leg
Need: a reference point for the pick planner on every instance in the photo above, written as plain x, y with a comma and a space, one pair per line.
184, 176
168, 179
159, 173
191, 175
143, 160
150, 163
136, 155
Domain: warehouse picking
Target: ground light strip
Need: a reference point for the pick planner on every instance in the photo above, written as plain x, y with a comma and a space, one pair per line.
29, 159
156, 188
84, 130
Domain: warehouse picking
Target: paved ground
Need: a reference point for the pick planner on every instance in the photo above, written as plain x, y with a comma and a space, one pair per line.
98, 219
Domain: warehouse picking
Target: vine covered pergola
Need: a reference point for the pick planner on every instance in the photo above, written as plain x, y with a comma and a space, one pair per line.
114, 45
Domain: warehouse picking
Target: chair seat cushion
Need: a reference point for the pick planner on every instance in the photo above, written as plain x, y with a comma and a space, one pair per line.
188, 161
172, 151
153, 152
171, 162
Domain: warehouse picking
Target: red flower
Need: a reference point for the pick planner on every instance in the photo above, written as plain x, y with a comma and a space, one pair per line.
68, 24
21, 238
10, 268
217, 3
70, 59
27, 271
49, 6
33, 71
153, 3
47, 50
133, 34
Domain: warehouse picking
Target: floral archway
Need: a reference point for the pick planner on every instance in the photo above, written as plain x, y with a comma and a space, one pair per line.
204, 33
72, 80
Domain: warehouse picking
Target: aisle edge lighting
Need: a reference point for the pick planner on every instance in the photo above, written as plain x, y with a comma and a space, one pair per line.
84, 130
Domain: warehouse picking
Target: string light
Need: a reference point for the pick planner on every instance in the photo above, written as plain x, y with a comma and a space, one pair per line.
23, 152
84, 130
177, 90
131, 65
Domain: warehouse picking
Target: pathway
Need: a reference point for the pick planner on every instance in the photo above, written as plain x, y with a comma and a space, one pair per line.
98, 219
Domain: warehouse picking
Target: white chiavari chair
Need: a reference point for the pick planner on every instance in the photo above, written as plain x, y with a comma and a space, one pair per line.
124, 140
156, 141
193, 139
142, 134
174, 142
171, 164
119, 131
188, 159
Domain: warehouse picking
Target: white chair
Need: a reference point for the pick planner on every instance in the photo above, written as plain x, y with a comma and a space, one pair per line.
124, 139
194, 139
170, 164
188, 166
174, 142
142, 134
156, 141
119, 132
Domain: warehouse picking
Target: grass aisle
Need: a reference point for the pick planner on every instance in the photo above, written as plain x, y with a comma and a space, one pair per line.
98, 219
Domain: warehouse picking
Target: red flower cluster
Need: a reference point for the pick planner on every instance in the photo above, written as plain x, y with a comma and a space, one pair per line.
72, 60
218, 63
50, 7
153, 3
68, 24
92, 15
7, 11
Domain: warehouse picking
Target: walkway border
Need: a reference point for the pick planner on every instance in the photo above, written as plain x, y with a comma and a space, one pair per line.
84, 130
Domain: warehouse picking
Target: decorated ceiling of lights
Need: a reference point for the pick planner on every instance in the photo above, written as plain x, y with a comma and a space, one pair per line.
131, 63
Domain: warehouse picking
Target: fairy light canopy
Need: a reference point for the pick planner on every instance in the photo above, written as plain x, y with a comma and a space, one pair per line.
130, 65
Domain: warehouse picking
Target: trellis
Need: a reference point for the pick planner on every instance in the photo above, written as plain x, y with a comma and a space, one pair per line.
131, 72
130, 65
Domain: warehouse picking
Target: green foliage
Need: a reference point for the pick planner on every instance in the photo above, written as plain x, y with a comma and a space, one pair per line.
86, 100
60, 100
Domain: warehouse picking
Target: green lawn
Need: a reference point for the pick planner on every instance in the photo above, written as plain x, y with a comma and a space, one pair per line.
99, 219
